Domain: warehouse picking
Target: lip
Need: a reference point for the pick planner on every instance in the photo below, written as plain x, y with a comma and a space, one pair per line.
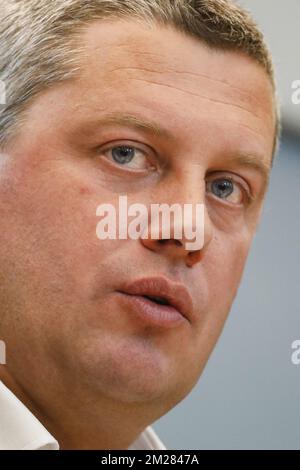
178, 296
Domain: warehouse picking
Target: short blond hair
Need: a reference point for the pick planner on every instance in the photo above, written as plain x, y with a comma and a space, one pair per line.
38, 46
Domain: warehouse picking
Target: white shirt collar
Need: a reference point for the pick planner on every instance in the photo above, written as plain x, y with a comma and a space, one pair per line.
21, 430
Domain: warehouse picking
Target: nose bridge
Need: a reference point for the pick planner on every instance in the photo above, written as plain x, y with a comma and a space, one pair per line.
182, 209
186, 187
191, 187
189, 192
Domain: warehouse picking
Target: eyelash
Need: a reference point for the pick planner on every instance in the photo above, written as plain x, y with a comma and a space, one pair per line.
223, 176
124, 144
219, 175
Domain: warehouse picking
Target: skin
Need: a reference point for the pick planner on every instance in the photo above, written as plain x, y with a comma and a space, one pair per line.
89, 370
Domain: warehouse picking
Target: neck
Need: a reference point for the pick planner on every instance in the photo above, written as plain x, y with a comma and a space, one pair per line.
76, 418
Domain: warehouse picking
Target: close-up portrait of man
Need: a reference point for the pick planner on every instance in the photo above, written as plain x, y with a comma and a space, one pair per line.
164, 102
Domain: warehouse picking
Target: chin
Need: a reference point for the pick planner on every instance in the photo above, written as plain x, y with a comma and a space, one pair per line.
133, 370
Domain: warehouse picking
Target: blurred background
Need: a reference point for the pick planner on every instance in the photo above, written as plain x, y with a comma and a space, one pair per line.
249, 394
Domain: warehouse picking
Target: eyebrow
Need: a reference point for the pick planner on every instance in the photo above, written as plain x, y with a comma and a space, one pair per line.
254, 163
134, 121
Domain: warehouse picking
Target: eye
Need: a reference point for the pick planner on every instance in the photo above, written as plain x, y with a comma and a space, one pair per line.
128, 156
228, 189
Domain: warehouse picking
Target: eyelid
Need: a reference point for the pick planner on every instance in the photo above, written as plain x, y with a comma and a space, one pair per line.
129, 143
148, 152
237, 179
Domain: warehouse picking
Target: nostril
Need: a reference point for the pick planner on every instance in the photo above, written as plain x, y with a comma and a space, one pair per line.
168, 240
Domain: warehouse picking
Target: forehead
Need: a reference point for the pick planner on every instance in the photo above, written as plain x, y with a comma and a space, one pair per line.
176, 78
170, 52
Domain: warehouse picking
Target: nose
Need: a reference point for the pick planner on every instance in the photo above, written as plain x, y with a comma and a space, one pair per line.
194, 220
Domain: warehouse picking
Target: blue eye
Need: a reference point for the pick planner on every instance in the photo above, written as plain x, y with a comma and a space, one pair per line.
222, 188
226, 189
123, 154
128, 156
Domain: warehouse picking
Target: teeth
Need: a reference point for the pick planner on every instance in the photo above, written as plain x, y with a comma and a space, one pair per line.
159, 300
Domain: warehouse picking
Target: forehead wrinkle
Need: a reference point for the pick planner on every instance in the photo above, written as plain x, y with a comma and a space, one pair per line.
212, 100
139, 55
246, 96
257, 133
192, 74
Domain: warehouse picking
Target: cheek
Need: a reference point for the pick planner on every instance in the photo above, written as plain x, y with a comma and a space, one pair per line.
222, 269
227, 255
49, 223
229, 264
223, 266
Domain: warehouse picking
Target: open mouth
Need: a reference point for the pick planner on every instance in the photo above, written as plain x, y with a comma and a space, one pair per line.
157, 300
152, 309
158, 297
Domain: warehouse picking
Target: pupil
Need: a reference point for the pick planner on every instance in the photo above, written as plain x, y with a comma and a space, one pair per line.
123, 154
223, 188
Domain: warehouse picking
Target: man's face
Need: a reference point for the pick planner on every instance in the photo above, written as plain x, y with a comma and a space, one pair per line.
61, 309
